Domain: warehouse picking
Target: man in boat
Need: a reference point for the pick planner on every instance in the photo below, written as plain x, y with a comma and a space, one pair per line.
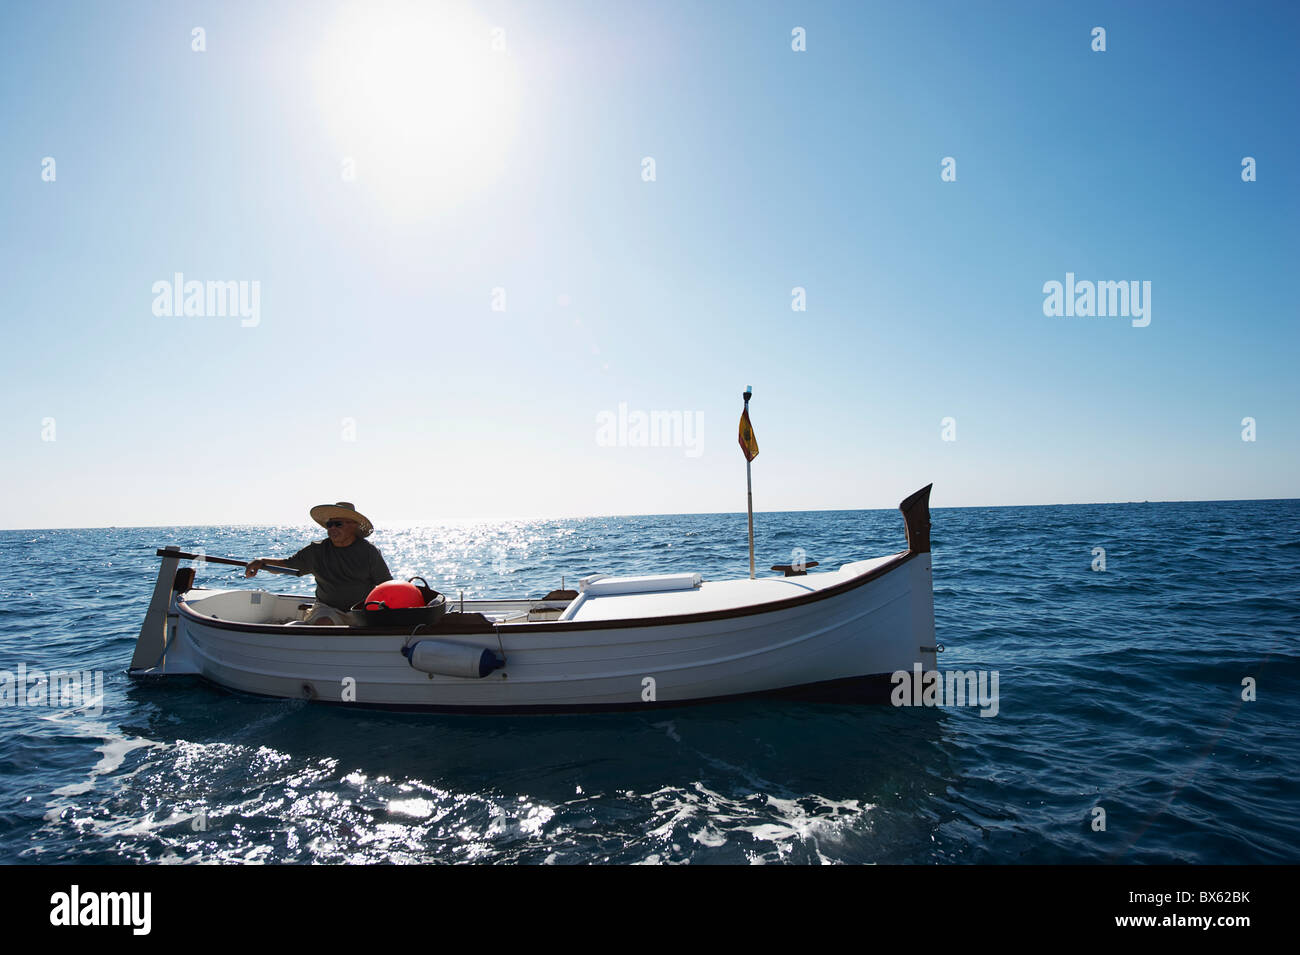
346, 565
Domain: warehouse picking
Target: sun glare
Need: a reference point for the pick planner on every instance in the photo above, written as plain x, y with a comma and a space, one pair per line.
420, 98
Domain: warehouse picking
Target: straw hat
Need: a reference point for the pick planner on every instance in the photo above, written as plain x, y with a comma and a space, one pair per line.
344, 510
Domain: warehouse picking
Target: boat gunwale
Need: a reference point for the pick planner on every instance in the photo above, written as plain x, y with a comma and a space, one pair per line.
564, 626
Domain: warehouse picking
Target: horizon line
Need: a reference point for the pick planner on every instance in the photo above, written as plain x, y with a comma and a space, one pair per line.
584, 517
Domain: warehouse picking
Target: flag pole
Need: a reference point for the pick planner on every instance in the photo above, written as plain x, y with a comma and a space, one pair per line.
749, 490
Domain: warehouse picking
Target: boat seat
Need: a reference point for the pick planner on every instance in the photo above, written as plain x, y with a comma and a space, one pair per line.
601, 585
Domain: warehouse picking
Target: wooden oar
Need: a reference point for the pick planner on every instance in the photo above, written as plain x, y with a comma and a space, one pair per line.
226, 560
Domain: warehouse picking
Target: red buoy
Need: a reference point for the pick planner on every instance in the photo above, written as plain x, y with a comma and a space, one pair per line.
395, 594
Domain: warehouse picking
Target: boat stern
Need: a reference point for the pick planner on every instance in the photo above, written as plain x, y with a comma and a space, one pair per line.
160, 649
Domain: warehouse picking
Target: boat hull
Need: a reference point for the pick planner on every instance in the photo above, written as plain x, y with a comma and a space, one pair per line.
843, 646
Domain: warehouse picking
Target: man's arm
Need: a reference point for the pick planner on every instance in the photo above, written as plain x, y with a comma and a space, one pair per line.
301, 562
255, 565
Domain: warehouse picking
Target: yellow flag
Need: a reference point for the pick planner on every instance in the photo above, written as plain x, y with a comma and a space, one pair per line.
748, 443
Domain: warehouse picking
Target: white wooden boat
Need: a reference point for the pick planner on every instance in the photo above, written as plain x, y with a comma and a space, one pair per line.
617, 643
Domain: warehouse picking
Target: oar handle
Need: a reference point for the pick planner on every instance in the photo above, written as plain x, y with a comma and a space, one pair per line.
225, 560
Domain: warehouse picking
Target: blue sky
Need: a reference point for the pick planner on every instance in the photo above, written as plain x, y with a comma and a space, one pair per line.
378, 370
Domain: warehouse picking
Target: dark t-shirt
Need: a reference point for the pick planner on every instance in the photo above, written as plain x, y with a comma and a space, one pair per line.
344, 575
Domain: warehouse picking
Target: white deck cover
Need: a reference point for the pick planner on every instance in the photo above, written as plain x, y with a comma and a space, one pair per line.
712, 595
603, 585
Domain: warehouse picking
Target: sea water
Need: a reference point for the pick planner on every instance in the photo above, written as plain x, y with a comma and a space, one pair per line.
1148, 678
